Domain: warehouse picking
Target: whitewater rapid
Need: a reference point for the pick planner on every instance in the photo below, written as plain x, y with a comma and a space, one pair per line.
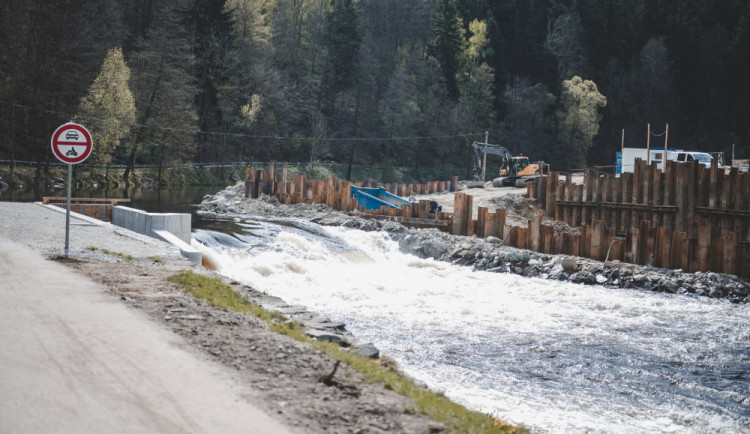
554, 356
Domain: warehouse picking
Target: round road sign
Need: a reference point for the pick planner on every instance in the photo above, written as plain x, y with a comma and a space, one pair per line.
71, 143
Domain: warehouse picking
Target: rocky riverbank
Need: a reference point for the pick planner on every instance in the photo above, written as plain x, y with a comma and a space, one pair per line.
488, 253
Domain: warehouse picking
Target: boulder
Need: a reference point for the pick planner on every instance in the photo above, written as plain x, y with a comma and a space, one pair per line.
368, 350
569, 264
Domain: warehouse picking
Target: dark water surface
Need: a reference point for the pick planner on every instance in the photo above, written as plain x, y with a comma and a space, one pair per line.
182, 199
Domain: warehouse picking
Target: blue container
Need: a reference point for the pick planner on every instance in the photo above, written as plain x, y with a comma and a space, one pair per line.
374, 198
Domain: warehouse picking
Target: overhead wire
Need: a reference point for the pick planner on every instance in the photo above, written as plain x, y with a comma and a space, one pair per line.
252, 136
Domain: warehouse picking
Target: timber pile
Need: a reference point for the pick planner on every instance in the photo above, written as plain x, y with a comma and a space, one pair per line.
689, 216
336, 194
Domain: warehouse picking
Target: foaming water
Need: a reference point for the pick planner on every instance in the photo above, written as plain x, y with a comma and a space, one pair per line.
554, 356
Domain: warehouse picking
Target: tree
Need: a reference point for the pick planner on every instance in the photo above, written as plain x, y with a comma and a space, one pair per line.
530, 118
447, 43
164, 90
109, 108
478, 48
49, 53
578, 120
476, 112
343, 40
566, 41
654, 89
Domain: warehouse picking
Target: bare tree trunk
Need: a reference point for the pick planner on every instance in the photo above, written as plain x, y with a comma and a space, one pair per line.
131, 163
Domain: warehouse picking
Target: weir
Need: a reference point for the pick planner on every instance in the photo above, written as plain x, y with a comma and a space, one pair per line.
174, 228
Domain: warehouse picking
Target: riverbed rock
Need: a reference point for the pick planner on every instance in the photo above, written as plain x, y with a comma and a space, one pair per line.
569, 264
583, 277
434, 249
367, 350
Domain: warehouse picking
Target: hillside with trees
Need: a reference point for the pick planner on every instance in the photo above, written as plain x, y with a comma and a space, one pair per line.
385, 83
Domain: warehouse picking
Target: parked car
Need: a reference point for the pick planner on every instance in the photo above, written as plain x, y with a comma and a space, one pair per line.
687, 156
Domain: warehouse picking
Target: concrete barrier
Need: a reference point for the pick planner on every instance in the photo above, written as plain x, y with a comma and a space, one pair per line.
174, 228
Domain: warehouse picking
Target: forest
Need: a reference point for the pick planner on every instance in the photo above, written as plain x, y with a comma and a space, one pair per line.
383, 83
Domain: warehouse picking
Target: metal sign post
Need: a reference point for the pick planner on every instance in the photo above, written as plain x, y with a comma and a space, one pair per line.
67, 213
72, 144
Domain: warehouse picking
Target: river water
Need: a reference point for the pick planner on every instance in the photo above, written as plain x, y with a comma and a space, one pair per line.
554, 356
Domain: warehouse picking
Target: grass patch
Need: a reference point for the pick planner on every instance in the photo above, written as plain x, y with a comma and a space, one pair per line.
435, 405
156, 259
122, 256
219, 294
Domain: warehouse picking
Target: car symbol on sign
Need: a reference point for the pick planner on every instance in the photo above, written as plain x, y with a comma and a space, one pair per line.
71, 135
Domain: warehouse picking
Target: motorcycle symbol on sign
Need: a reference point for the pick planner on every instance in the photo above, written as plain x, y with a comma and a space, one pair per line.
72, 153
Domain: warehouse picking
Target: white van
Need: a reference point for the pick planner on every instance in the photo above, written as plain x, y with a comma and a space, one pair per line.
625, 160
687, 156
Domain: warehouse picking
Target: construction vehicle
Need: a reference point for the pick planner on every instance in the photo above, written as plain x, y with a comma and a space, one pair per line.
515, 171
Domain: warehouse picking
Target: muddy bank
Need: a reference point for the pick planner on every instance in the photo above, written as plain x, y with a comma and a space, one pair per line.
488, 253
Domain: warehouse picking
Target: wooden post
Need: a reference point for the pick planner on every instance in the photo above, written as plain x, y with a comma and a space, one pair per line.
481, 221
548, 238
676, 250
680, 197
499, 228
716, 256
585, 194
632, 241
558, 243
597, 235
689, 186
535, 230
284, 173
489, 224
257, 187
551, 199
663, 246
730, 252
272, 170
530, 190
713, 183
521, 237
462, 209
585, 247
646, 253
704, 244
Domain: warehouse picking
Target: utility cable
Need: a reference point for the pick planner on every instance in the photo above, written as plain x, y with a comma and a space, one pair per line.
252, 136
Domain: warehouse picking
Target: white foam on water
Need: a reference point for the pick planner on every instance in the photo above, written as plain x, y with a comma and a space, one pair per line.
511, 346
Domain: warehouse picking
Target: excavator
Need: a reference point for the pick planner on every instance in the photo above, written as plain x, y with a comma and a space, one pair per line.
515, 171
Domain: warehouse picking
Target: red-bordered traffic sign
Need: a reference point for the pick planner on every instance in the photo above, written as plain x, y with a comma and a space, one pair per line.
71, 143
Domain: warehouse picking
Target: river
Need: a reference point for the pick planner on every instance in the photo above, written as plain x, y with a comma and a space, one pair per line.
554, 356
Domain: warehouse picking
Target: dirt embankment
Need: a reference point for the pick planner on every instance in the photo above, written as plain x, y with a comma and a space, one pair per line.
285, 374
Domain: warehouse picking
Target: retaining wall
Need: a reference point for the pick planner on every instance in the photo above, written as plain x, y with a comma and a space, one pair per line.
173, 228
